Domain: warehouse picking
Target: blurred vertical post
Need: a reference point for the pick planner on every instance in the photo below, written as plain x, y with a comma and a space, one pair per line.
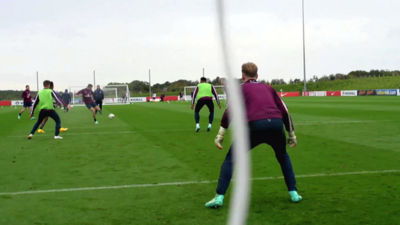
240, 202
304, 48
94, 77
37, 81
149, 83
203, 72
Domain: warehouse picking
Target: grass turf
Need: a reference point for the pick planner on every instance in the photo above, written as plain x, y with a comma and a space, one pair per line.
150, 143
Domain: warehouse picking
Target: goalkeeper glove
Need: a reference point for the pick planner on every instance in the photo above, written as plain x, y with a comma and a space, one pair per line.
219, 140
292, 140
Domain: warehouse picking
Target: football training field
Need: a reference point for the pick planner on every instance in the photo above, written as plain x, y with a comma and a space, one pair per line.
148, 166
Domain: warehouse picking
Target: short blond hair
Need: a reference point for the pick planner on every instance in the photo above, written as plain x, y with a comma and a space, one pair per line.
250, 69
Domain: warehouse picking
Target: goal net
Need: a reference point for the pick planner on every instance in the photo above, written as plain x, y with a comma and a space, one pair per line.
119, 94
113, 94
189, 90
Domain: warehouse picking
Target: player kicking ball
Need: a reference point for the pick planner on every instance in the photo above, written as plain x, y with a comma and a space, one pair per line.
44, 102
266, 115
87, 94
204, 93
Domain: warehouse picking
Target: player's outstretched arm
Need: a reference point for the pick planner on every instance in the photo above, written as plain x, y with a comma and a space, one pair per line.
59, 101
214, 92
219, 139
195, 96
79, 92
287, 120
34, 105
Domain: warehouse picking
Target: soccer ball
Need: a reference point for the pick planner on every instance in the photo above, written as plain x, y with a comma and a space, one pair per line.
111, 116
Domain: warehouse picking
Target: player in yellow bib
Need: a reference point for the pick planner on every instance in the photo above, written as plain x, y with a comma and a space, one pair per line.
203, 94
44, 102
41, 131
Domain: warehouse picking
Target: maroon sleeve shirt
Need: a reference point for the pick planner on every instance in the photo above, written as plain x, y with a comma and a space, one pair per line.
59, 101
26, 95
35, 104
262, 102
86, 95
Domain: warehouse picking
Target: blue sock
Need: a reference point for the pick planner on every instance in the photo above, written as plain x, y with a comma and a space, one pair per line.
225, 175
58, 126
211, 118
197, 117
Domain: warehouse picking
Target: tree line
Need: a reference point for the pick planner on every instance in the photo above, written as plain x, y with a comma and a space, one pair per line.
143, 87
140, 87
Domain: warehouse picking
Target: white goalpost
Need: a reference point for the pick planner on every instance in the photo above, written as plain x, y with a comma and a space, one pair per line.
113, 94
189, 89
110, 93
121, 90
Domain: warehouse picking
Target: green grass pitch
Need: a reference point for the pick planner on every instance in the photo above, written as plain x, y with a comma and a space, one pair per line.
155, 144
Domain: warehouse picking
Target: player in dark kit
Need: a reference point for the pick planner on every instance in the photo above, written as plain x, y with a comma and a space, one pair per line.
124, 98
87, 94
26, 95
266, 115
99, 97
204, 93
181, 96
162, 96
66, 97
44, 102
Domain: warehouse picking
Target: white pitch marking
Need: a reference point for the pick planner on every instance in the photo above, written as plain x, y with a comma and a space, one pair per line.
189, 182
305, 123
107, 132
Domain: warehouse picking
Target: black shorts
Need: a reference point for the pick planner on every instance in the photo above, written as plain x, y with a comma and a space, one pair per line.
27, 104
91, 105
48, 113
201, 103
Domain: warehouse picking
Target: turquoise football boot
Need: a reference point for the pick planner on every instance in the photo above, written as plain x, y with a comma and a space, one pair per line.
295, 196
216, 202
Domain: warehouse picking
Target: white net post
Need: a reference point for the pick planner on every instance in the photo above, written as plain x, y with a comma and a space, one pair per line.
110, 93
121, 90
187, 92
76, 100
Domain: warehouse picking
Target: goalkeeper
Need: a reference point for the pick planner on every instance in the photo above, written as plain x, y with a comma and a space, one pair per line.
266, 115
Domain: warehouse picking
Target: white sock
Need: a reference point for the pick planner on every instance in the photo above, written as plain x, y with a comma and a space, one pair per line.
209, 124
197, 125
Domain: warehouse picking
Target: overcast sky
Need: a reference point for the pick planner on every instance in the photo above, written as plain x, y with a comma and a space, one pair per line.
65, 40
